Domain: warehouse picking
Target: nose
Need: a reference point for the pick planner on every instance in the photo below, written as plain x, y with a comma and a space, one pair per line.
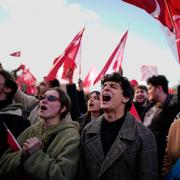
106, 87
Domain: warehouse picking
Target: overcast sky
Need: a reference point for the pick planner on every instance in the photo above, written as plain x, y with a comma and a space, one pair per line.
41, 30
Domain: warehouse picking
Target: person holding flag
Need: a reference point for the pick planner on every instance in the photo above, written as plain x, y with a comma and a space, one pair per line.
50, 148
10, 112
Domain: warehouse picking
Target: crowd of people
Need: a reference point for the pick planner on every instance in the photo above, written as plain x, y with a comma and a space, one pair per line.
64, 133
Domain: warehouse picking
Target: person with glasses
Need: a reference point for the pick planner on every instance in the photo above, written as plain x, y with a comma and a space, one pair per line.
116, 145
49, 148
31, 103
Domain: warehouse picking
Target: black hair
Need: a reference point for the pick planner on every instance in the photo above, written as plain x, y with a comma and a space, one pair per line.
159, 80
54, 83
127, 89
143, 87
88, 114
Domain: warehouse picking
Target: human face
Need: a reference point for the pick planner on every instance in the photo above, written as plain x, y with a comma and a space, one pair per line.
112, 98
50, 108
94, 103
2, 88
152, 93
140, 96
42, 87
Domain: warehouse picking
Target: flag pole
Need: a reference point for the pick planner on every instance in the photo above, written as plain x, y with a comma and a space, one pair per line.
170, 15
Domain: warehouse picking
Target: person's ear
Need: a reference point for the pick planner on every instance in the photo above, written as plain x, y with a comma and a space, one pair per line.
63, 109
125, 100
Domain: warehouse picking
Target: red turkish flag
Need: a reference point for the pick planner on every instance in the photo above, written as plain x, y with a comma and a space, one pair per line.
134, 112
157, 8
177, 32
11, 140
16, 54
116, 56
27, 82
164, 11
90, 77
67, 58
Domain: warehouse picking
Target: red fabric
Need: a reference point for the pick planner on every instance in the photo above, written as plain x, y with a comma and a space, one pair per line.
118, 54
67, 58
134, 112
177, 32
16, 54
166, 11
90, 77
27, 82
11, 141
157, 8
133, 83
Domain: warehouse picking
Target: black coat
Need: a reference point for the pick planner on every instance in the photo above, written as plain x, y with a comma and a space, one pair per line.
12, 116
161, 122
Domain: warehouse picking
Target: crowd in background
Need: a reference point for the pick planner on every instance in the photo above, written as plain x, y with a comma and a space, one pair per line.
66, 133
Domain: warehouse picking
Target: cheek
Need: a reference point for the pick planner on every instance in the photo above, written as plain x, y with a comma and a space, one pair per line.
55, 108
97, 104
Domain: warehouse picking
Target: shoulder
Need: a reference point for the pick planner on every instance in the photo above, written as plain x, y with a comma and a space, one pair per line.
68, 128
141, 131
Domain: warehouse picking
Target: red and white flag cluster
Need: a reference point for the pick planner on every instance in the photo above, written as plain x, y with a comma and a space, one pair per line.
26, 81
116, 58
167, 12
67, 59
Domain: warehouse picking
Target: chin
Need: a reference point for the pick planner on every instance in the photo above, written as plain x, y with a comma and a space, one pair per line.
105, 108
42, 116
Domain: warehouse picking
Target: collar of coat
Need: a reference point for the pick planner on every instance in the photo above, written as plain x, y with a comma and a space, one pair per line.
127, 130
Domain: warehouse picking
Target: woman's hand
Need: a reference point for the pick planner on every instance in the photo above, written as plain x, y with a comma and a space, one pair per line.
30, 146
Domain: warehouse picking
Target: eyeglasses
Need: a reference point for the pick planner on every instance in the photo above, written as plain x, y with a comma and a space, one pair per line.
50, 98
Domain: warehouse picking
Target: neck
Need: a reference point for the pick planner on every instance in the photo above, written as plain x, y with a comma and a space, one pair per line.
111, 116
162, 98
51, 122
95, 114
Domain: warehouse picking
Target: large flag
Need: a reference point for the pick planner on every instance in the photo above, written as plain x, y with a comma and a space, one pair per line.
11, 140
157, 8
148, 71
177, 32
16, 54
116, 57
165, 12
67, 58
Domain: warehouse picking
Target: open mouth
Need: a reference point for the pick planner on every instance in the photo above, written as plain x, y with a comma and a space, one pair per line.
91, 104
106, 97
43, 107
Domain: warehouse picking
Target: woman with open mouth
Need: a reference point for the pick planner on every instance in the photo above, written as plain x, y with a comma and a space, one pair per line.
49, 148
94, 110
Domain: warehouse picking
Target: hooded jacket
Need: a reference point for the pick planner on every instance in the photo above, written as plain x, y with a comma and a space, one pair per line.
58, 161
